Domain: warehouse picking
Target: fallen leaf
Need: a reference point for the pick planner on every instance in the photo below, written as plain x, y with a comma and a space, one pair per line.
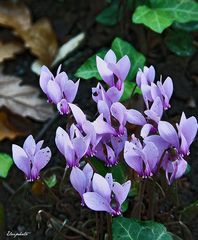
41, 39
22, 99
8, 50
62, 53
68, 47
15, 15
12, 125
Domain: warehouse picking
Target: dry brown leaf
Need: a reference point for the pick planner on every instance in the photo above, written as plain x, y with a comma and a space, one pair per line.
12, 125
15, 15
23, 100
8, 50
41, 39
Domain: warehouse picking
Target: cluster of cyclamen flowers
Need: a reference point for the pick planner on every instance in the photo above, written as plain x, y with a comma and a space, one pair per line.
159, 146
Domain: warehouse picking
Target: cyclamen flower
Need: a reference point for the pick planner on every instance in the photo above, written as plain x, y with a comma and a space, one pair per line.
112, 72
150, 90
72, 147
110, 96
108, 151
59, 89
149, 124
143, 159
31, 158
178, 145
81, 179
163, 90
106, 195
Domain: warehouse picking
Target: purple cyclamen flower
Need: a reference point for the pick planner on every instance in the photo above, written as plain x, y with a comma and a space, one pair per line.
154, 115
109, 150
59, 89
110, 96
150, 90
81, 179
146, 76
31, 158
163, 90
72, 147
178, 145
112, 72
143, 159
106, 195
187, 130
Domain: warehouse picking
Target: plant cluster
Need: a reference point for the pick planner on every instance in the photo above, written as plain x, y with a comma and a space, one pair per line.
156, 147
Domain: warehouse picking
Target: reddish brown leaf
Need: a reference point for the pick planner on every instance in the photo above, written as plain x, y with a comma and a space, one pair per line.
12, 125
15, 15
41, 39
8, 50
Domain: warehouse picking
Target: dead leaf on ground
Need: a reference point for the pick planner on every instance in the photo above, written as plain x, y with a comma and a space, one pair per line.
39, 37
8, 50
12, 125
15, 15
42, 41
22, 99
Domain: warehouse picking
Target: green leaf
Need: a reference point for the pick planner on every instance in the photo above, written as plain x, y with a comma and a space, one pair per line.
155, 19
121, 48
161, 14
190, 212
5, 164
51, 181
88, 69
99, 166
131, 229
189, 26
119, 172
111, 15
128, 89
180, 43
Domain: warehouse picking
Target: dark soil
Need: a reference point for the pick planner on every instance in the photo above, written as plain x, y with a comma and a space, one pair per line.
69, 18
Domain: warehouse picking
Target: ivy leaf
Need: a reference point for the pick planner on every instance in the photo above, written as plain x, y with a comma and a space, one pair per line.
51, 181
180, 43
88, 69
155, 19
5, 164
131, 229
189, 26
111, 15
121, 48
161, 14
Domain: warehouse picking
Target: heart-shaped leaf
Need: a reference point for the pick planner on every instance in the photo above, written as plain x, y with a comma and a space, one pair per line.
131, 229
161, 14
180, 42
5, 164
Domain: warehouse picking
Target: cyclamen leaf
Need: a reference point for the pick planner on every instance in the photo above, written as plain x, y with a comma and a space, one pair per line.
5, 164
162, 13
88, 69
128, 89
121, 48
111, 15
23, 100
180, 42
131, 229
